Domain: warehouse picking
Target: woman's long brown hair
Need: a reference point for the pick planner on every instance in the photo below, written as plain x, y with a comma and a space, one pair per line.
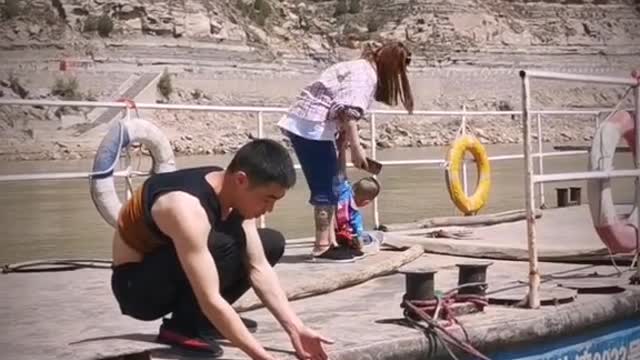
391, 61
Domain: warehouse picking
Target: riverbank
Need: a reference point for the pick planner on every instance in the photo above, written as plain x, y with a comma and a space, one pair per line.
39, 133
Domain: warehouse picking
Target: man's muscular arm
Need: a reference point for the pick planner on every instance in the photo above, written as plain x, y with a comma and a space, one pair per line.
307, 342
265, 281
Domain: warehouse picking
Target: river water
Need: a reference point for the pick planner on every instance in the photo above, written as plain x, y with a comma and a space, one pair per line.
54, 219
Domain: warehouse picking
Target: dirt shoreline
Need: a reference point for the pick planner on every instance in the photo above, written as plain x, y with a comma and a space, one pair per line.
39, 133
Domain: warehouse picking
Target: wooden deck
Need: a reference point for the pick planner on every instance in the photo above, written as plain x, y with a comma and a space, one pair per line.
72, 315
562, 234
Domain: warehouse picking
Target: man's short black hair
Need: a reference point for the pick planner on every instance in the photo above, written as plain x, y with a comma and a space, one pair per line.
264, 161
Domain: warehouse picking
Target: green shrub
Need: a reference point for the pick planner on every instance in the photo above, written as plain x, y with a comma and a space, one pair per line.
354, 6
165, 86
12, 8
67, 89
105, 25
341, 7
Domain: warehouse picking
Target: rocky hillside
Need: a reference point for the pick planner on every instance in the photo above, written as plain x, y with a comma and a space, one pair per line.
444, 31
260, 52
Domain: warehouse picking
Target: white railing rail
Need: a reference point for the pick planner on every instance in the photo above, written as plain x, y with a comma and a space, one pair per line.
531, 179
127, 173
261, 110
274, 109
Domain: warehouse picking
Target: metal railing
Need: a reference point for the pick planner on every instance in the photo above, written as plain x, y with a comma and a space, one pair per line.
531, 179
260, 111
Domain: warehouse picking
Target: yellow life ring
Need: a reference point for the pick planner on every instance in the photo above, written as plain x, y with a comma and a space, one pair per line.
468, 204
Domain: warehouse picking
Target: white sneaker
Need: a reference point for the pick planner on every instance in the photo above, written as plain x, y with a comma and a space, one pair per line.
371, 241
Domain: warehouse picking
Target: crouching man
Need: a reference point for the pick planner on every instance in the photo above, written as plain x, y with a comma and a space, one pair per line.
187, 244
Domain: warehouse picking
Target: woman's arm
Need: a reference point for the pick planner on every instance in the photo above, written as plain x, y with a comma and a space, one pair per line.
342, 144
358, 155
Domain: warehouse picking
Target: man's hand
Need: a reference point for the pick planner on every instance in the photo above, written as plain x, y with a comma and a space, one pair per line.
308, 344
267, 286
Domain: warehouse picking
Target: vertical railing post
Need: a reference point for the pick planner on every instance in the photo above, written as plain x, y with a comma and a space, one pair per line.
540, 162
534, 275
636, 91
263, 221
374, 142
465, 181
128, 183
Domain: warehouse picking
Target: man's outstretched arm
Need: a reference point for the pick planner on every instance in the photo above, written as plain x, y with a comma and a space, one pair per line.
183, 219
308, 343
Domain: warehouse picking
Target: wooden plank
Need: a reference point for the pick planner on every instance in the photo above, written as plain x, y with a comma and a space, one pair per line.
111, 113
382, 264
619, 149
476, 220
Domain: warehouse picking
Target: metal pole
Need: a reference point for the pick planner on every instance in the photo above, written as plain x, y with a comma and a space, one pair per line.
129, 185
244, 109
372, 128
465, 182
263, 221
540, 162
145, 106
580, 77
586, 175
534, 275
439, 162
636, 91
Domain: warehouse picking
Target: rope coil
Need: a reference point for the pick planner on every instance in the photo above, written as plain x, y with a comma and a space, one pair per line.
442, 309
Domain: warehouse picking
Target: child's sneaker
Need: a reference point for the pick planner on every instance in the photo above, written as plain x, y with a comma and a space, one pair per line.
339, 254
371, 241
357, 254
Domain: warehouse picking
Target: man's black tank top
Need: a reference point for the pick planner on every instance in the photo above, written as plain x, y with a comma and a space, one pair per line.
191, 181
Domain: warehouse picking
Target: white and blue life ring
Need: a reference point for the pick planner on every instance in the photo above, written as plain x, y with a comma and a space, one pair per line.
617, 232
122, 134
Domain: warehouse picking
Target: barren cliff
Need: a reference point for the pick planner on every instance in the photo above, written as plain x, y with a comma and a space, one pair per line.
259, 52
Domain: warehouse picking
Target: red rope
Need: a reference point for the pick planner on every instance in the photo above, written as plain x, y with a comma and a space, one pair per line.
448, 304
130, 104
425, 310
